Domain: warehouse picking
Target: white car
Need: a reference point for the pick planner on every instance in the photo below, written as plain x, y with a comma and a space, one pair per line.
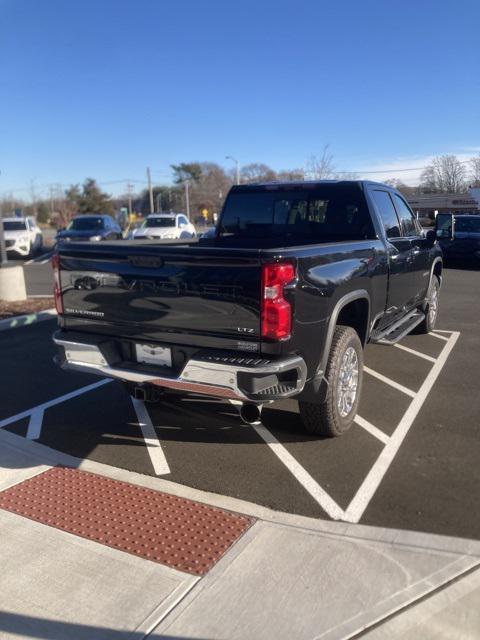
22, 236
165, 226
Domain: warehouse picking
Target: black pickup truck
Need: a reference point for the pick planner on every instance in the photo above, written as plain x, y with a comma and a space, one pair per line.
278, 304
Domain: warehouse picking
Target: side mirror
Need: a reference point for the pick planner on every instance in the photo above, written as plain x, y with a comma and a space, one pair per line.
445, 226
430, 236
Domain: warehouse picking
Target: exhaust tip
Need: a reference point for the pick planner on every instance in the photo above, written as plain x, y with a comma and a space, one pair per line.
251, 413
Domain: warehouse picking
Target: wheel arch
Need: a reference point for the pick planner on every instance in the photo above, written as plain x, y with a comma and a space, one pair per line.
436, 270
352, 310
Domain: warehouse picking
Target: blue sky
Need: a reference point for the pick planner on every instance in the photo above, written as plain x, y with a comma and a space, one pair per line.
104, 88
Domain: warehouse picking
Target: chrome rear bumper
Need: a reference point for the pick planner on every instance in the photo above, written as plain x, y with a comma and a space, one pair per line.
234, 377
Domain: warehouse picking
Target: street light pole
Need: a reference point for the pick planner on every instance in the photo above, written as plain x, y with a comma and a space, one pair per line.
159, 202
237, 168
3, 249
187, 200
150, 191
129, 191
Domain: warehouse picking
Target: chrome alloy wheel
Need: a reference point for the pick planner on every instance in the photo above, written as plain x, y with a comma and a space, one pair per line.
347, 382
433, 306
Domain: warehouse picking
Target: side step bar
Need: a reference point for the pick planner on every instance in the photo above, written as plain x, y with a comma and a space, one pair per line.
400, 329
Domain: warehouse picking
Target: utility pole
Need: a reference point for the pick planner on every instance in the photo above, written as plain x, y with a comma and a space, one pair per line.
187, 200
34, 198
51, 201
159, 202
129, 191
237, 168
149, 179
3, 249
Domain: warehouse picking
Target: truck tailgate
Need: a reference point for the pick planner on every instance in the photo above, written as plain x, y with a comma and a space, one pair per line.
171, 289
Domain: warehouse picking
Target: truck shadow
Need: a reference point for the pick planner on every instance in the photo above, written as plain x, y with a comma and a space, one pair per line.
184, 419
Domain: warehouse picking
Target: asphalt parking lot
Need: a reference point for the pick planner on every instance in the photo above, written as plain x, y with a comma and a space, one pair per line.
410, 461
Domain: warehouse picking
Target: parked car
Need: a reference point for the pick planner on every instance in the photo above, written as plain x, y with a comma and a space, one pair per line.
279, 304
22, 236
94, 227
462, 243
209, 233
165, 226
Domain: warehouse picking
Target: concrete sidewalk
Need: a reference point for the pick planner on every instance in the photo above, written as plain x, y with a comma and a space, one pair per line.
286, 577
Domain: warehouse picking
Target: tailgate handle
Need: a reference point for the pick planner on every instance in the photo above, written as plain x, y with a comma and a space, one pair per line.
146, 262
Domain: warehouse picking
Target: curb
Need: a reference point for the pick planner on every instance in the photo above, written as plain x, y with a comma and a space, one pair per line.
23, 321
431, 542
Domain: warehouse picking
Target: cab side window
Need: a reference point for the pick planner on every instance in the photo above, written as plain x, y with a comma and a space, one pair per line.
407, 219
387, 213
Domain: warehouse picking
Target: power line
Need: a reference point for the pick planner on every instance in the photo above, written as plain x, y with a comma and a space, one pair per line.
60, 185
394, 170
134, 181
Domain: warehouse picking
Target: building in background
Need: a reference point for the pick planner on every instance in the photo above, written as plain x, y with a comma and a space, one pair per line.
429, 204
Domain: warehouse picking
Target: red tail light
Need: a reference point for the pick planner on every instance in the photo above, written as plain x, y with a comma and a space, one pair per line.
57, 289
276, 311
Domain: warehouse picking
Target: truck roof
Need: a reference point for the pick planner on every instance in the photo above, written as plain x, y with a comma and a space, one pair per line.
309, 184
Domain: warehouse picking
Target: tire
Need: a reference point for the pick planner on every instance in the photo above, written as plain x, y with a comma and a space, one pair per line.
327, 418
431, 312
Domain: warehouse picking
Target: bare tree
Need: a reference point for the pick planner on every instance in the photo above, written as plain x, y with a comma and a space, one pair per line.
407, 190
474, 176
291, 175
346, 175
320, 168
257, 172
446, 174
65, 208
209, 191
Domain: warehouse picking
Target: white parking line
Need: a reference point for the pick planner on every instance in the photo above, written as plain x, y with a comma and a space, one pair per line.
35, 425
435, 335
372, 429
52, 403
154, 448
39, 260
327, 503
415, 353
390, 382
375, 476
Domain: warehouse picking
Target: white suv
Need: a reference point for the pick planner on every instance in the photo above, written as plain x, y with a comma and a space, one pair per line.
22, 236
163, 226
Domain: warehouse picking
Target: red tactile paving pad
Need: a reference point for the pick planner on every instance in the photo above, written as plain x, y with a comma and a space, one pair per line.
177, 532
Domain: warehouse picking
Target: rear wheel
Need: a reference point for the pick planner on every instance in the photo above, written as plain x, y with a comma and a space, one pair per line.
431, 309
344, 374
